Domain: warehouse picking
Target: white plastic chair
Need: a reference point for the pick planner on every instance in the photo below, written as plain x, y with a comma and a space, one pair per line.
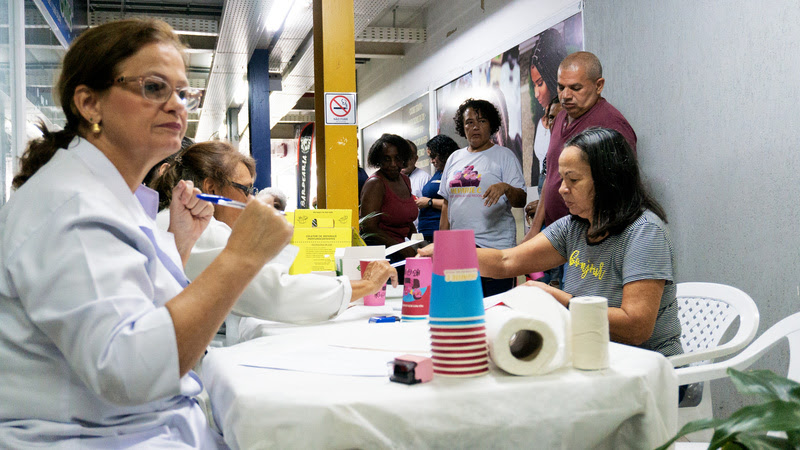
788, 328
706, 311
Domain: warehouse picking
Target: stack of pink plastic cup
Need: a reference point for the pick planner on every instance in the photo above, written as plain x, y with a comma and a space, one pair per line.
458, 331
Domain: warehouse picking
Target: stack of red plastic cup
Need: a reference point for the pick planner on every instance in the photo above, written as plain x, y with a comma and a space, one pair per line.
457, 324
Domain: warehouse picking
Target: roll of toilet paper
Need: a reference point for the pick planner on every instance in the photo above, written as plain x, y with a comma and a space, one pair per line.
589, 317
530, 335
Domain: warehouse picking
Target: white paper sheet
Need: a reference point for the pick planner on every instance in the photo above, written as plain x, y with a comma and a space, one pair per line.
327, 360
397, 247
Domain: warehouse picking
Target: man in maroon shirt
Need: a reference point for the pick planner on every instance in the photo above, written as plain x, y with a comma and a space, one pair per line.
580, 82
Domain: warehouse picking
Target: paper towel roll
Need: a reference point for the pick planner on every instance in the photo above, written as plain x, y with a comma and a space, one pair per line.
589, 332
529, 336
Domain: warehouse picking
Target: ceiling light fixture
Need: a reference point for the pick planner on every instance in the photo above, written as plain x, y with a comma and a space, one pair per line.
277, 15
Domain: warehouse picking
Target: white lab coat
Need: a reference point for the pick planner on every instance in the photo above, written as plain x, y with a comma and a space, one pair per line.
87, 347
273, 294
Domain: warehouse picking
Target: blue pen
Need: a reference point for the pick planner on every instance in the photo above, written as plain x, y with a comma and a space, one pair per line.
225, 201
383, 319
222, 201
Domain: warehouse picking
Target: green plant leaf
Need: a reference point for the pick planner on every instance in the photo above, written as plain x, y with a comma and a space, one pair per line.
794, 438
691, 427
361, 221
369, 216
775, 415
762, 442
795, 394
763, 383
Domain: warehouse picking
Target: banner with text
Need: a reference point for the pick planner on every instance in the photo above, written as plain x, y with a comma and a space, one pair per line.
305, 145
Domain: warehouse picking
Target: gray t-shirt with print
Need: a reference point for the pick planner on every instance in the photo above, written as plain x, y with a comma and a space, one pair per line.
643, 251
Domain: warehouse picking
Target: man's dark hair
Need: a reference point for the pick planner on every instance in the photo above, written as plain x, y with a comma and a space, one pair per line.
376, 152
483, 109
619, 195
441, 145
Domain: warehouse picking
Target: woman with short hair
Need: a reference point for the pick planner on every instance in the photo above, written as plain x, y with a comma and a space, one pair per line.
440, 147
480, 185
387, 193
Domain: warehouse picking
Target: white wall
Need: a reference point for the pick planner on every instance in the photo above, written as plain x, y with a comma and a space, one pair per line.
710, 88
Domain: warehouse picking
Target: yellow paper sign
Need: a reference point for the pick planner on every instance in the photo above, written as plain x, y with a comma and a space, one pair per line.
318, 232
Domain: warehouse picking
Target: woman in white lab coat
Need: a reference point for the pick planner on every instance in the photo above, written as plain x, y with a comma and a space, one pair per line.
98, 328
219, 169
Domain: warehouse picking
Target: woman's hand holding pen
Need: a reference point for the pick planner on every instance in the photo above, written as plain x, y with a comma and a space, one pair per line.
259, 234
188, 217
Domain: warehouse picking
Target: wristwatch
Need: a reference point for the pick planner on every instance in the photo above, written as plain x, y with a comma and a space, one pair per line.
430, 202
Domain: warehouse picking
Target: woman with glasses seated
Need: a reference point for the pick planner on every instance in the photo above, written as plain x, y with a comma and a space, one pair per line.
100, 327
273, 294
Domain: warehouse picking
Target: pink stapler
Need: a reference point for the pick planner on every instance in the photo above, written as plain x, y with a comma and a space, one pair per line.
412, 369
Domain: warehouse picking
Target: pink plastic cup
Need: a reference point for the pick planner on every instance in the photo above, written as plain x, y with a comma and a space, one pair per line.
457, 294
378, 298
455, 250
417, 288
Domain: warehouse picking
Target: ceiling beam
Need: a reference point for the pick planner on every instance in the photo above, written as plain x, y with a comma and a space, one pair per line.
370, 50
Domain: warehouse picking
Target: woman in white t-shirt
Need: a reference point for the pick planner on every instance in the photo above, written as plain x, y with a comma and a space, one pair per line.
480, 185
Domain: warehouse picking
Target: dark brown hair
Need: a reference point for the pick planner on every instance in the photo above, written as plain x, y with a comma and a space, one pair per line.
375, 155
484, 109
93, 60
441, 145
619, 194
216, 160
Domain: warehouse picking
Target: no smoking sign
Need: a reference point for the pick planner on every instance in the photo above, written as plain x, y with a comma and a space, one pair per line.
340, 108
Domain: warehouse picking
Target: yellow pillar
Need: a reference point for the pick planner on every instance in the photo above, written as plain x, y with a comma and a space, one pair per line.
335, 71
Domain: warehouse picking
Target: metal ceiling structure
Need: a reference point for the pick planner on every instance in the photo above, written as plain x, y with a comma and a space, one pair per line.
222, 35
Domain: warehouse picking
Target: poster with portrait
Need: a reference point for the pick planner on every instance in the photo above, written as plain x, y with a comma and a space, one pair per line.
448, 98
539, 58
497, 81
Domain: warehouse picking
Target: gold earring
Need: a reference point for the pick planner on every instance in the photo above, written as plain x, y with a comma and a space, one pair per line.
96, 128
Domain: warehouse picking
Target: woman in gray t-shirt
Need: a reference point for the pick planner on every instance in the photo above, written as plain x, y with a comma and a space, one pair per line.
615, 244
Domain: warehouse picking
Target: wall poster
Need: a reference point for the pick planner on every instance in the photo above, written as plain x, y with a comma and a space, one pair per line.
410, 121
520, 82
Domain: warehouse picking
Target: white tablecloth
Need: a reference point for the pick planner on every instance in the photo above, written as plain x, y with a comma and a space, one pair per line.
633, 404
249, 328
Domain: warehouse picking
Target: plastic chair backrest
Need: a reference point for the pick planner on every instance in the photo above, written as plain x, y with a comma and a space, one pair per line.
794, 354
706, 311
788, 328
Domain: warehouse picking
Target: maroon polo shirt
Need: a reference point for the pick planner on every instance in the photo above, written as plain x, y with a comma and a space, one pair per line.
602, 114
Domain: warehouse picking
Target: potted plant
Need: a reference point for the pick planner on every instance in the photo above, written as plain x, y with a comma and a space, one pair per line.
747, 428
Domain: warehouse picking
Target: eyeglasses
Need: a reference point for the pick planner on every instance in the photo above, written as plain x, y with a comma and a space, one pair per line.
160, 91
247, 190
